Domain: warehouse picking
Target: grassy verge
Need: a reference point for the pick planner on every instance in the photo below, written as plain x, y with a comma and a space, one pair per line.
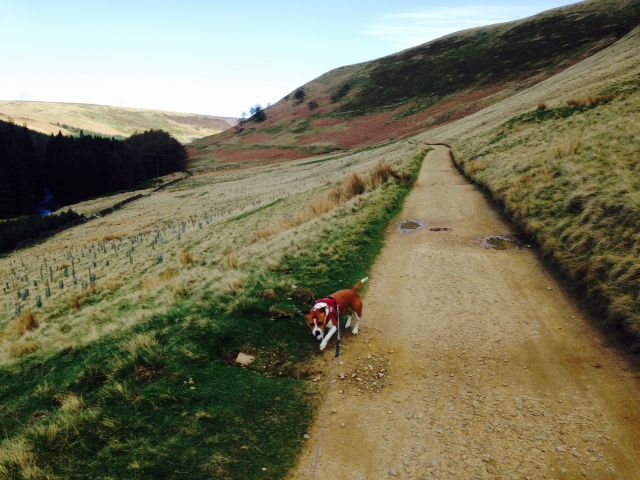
164, 399
569, 176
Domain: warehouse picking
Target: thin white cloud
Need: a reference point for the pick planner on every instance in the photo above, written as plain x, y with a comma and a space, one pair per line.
406, 29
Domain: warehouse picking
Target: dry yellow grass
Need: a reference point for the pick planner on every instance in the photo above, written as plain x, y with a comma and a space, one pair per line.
589, 101
17, 456
381, 175
351, 187
569, 146
25, 323
199, 236
169, 273
186, 258
21, 348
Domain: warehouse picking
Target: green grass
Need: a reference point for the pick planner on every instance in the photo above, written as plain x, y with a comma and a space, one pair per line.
164, 400
170, 409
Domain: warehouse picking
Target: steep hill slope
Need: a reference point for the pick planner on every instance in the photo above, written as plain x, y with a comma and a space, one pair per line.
70, 118
426, 86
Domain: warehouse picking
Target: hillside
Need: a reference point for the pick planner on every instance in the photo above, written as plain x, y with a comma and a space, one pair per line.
70, 118
425, 86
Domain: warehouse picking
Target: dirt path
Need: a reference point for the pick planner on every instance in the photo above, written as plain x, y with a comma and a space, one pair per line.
471, 363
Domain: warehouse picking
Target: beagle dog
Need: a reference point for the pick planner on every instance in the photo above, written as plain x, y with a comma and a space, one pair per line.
326, 312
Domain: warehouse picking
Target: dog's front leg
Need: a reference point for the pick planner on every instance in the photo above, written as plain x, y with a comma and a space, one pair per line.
326, 339
348, 324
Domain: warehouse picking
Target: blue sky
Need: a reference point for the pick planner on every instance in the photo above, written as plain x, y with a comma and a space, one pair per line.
212, 57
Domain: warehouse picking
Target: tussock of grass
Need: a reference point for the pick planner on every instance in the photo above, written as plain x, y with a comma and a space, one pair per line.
568, 147
25, 323
230, 261
76, 302
381, 175
169, 273
352, 187
186, 258
17, 461
589, 101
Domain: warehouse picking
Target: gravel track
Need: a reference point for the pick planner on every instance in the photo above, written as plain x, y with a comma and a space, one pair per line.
472, 363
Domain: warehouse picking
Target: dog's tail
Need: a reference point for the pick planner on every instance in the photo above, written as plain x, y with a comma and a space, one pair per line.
358, 284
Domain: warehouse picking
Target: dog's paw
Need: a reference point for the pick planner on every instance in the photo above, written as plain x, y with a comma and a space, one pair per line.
354, 331
322, 347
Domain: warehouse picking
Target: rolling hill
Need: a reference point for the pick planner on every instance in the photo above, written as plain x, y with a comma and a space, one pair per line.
426, 86
70, 118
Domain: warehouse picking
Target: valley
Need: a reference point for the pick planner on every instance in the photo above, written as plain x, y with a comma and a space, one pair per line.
119, 336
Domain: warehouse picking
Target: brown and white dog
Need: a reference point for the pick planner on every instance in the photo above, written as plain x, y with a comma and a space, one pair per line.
326, 313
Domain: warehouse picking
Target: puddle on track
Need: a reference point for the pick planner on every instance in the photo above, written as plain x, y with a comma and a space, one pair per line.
410, 226
500, 242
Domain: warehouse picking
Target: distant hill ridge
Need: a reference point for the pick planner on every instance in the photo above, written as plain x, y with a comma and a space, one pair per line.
70, 118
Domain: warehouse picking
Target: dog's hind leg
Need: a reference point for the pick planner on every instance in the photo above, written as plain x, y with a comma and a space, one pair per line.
356, 307
355, 328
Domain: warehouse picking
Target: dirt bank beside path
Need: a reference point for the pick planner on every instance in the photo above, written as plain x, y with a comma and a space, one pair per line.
472, 363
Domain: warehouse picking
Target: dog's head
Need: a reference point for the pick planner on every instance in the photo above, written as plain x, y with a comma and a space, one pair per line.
317, 320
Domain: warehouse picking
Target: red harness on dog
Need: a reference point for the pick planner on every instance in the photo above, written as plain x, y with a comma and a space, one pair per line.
331, 309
